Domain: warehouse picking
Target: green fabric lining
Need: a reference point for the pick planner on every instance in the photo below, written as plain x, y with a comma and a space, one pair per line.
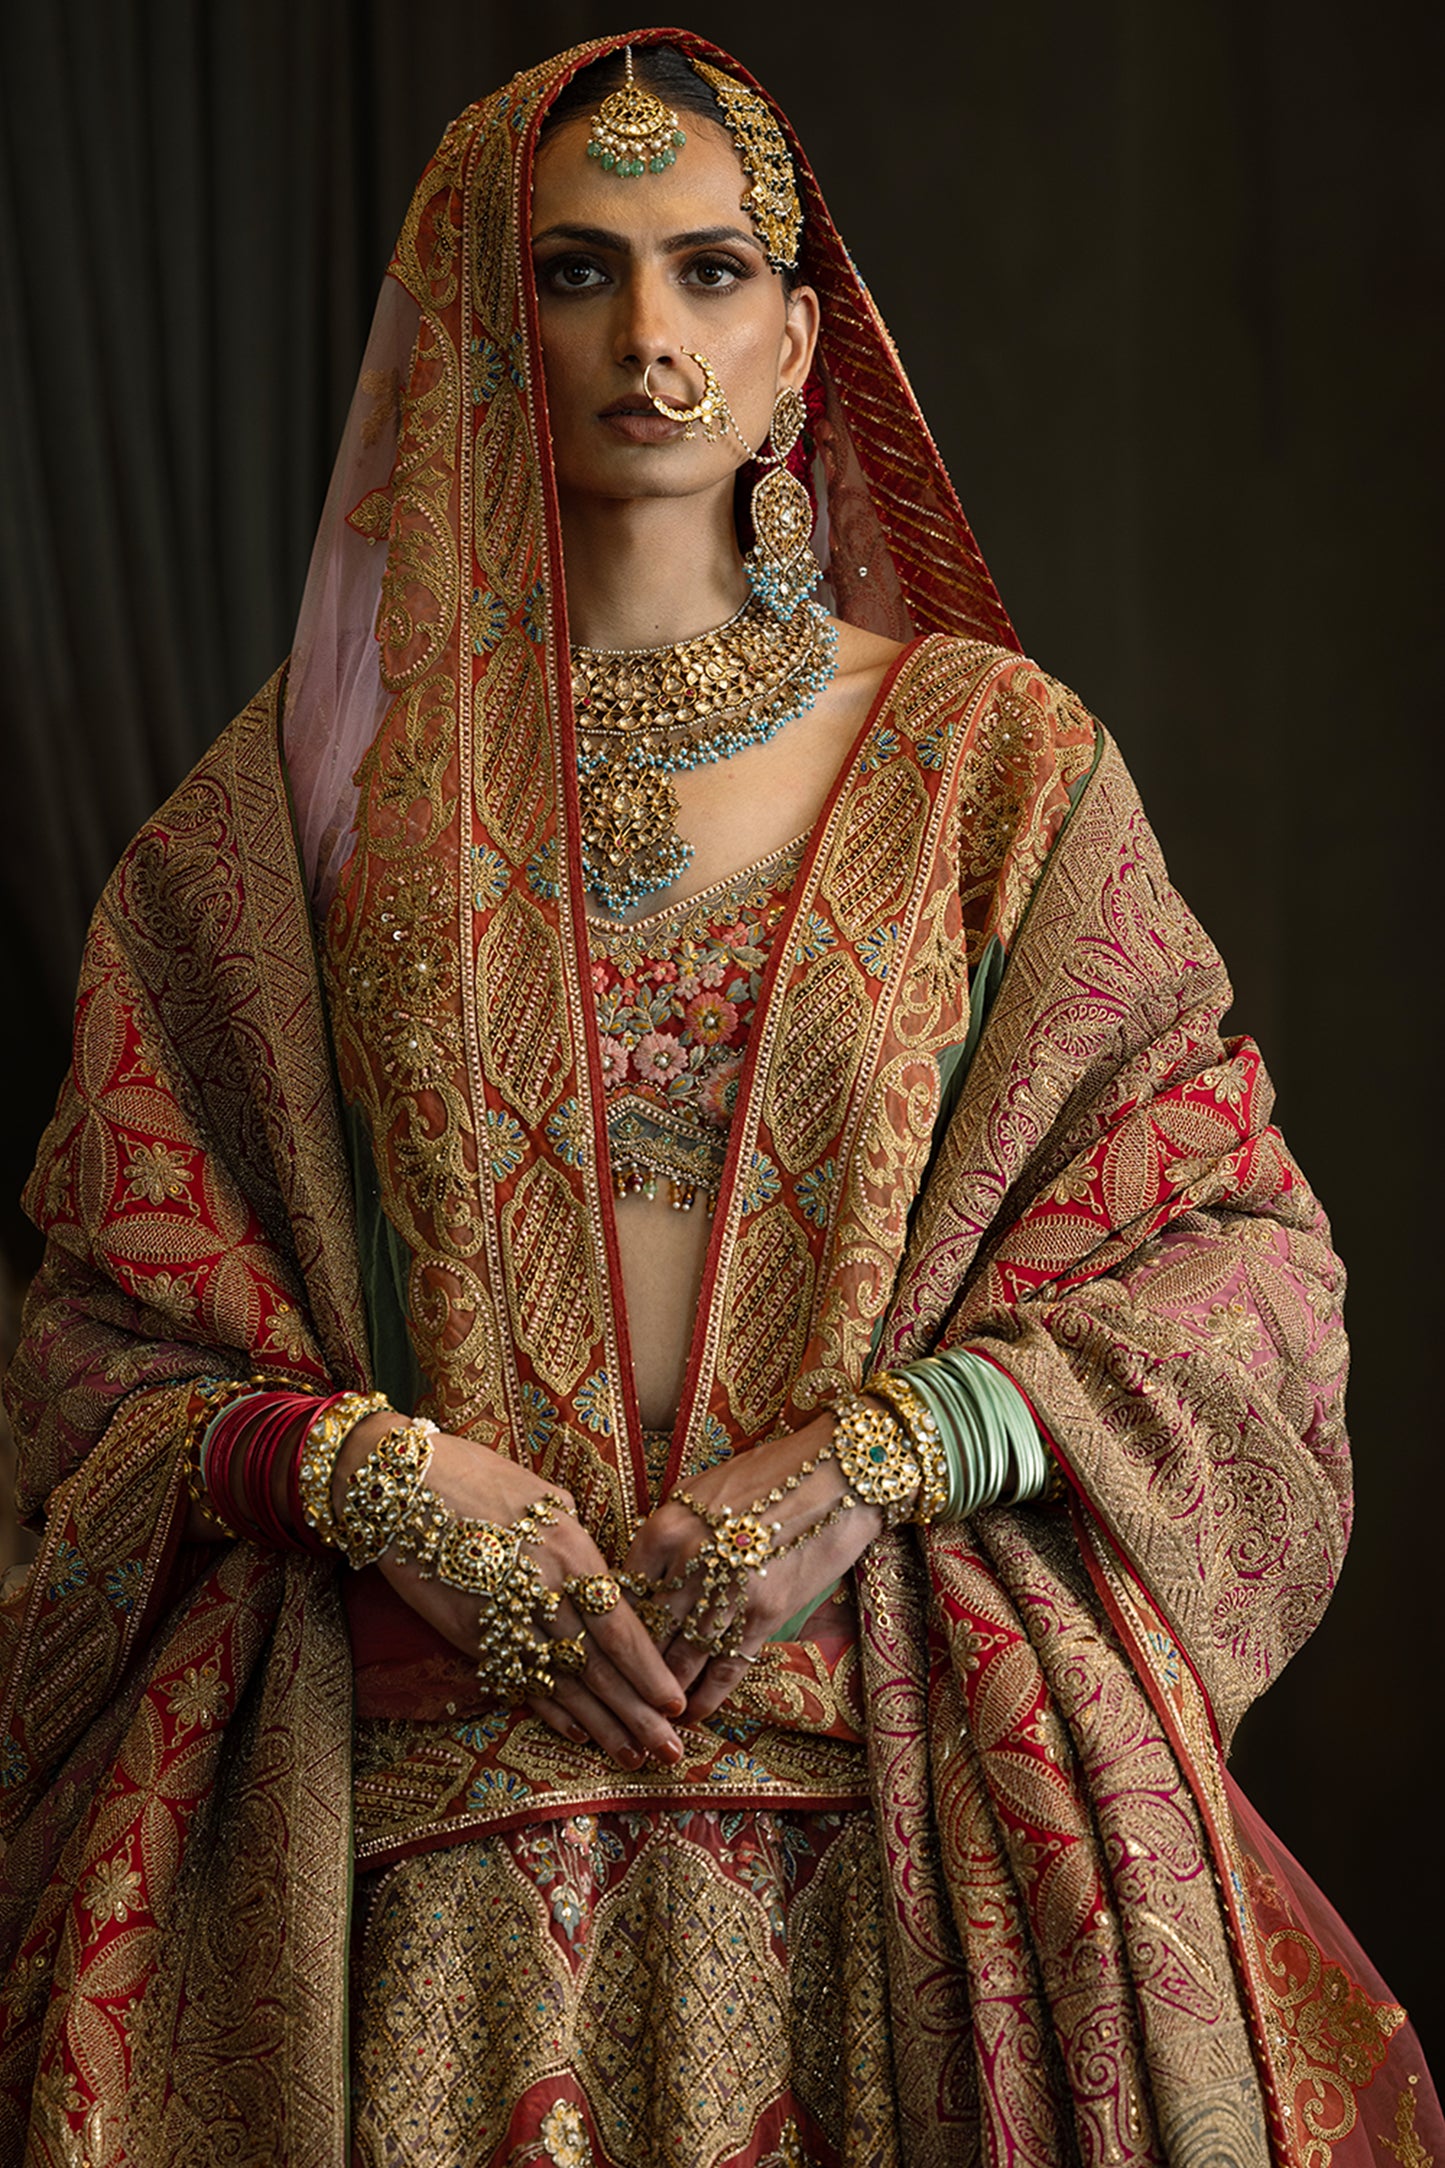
385, 1274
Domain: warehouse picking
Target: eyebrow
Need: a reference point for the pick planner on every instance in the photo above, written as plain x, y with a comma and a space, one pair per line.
600, 237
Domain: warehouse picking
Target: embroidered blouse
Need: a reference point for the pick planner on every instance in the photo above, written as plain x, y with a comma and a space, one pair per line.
676, 993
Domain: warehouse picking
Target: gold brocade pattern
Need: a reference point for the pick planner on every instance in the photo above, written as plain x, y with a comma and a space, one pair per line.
651, 1987
792, 1734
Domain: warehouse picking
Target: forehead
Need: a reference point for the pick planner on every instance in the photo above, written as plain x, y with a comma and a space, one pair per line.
704, 188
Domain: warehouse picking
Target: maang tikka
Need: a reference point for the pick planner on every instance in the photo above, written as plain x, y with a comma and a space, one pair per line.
633, 132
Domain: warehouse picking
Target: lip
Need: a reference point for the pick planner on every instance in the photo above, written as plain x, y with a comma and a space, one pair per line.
638, 423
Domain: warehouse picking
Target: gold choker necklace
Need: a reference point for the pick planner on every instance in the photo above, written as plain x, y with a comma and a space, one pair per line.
645, 713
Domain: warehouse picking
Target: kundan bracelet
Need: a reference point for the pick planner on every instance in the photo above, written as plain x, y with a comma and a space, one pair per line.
325, 1436
876, 1456
381, 1493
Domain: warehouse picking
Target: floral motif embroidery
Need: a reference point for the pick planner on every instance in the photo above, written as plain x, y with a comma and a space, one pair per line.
760, 1183
539, 1420
1233, 1331
68, 1571
286, 1332
594, 1404
1406, 2145
113, 1891
173, 1292
676, 993
489, 877
156, 1174
505, 1144
815, 1189
198, 1697
122, 1584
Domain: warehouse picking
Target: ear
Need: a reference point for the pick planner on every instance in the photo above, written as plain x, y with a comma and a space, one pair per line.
800, 337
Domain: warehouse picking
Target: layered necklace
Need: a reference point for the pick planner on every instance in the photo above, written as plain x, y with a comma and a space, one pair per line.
644, 714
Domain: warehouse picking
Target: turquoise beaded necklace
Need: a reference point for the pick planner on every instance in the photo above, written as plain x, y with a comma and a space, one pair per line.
645, 714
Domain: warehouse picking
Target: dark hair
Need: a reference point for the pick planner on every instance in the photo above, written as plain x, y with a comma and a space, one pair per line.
658, 68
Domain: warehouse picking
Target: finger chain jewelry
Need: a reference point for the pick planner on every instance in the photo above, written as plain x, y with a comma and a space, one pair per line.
659, 1622
384, 1490
595, 1594
388, 1505
741, 1544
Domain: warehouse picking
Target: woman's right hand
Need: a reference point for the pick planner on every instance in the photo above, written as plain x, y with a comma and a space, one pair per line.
625, 1694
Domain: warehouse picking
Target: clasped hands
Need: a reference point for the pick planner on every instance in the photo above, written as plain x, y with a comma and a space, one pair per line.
775, 1507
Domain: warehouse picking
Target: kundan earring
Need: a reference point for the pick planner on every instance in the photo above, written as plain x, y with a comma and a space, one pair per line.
781, 568
633, 132
712, 409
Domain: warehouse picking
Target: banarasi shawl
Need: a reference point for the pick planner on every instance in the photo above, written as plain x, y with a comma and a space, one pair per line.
985, 1101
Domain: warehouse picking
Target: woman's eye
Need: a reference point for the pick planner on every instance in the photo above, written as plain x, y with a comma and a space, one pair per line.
573, 274
716, 272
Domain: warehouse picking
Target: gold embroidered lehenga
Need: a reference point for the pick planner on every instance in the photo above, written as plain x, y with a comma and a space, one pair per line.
956, 1875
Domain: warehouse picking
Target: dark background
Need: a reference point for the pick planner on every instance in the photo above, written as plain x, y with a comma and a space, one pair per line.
1167, 278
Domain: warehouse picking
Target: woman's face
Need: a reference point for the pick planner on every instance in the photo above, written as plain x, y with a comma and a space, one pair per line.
643, 271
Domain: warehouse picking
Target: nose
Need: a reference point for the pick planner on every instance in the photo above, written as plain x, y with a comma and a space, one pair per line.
647, 330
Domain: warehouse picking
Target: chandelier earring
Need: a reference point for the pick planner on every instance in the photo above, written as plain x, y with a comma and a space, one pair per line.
781, 568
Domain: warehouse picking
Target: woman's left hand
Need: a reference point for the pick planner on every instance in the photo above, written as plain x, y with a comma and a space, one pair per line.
672, 1536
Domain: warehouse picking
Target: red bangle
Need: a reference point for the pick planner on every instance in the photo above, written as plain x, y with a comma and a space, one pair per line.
241, 1457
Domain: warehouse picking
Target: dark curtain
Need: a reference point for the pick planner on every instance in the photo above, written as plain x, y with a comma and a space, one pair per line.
1169, 282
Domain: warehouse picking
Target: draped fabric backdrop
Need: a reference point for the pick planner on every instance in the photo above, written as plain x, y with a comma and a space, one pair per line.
1168, 282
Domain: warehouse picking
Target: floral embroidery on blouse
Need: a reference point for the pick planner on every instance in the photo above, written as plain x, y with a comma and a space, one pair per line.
676, 993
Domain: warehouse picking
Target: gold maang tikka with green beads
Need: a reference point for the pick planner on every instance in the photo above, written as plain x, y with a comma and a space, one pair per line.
633, 132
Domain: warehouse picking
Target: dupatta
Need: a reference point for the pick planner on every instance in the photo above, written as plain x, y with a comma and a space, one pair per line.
1086, 1960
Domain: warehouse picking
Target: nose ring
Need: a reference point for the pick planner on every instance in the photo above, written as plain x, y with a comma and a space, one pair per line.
711, 409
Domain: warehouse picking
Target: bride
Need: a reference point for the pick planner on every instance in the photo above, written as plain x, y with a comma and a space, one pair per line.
679, 1391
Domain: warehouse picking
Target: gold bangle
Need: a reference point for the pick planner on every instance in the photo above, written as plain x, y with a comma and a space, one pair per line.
324, 1439
921, 1427
879, 1464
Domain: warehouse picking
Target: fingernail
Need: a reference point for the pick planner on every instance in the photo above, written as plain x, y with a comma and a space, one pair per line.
575, 1731
674, 1707
629, 1757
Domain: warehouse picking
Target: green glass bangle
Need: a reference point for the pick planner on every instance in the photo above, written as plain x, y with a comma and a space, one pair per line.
990, 1439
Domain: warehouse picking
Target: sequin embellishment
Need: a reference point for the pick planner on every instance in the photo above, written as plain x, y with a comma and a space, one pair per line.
676, 993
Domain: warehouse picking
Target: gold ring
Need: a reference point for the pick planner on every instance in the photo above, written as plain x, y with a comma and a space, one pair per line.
595, 1594
569, 1655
